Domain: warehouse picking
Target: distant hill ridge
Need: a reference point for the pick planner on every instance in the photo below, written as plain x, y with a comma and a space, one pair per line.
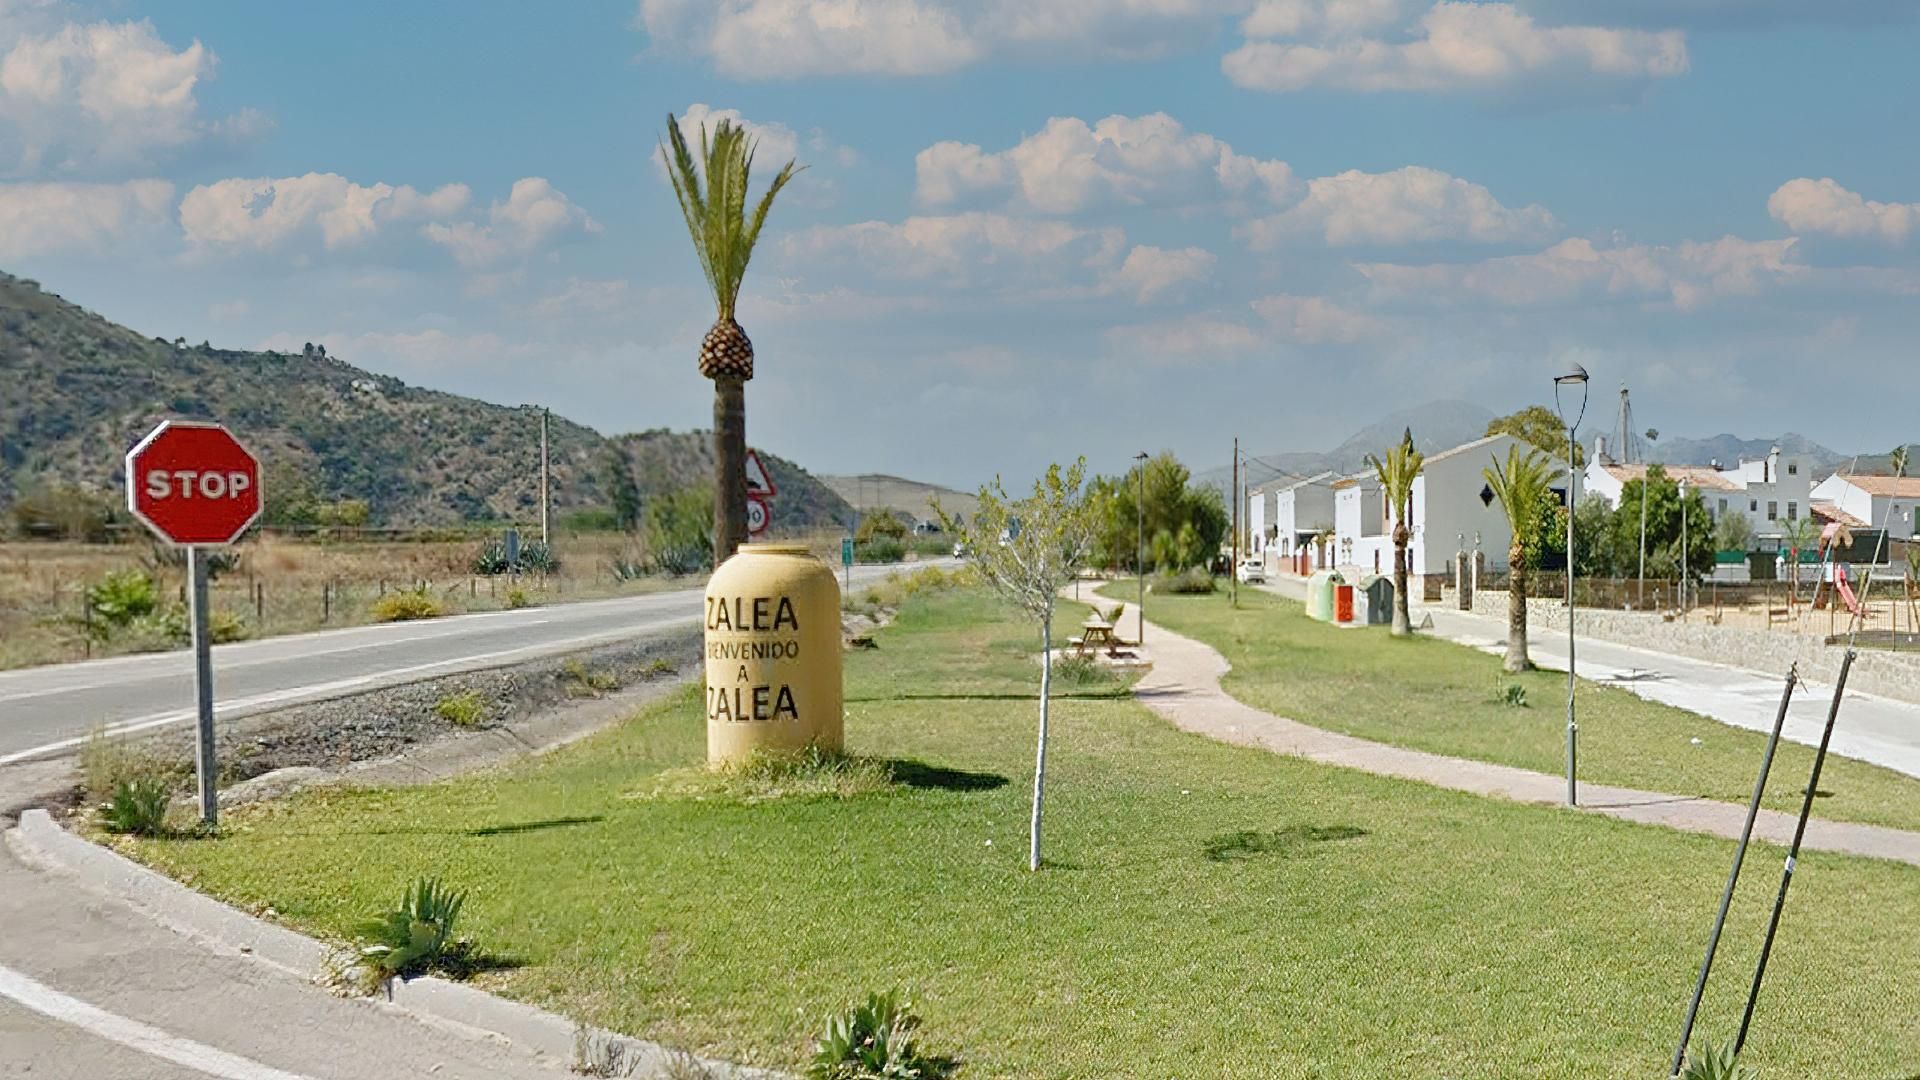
76, 390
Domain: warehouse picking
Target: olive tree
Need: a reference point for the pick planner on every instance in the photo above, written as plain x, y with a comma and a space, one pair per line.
1028, 550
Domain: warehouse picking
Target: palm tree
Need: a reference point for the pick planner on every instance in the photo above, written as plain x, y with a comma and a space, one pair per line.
1798, 535
1523, 485
1396, 475
723, 239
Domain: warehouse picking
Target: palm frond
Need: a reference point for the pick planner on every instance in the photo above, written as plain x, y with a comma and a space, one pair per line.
712, 190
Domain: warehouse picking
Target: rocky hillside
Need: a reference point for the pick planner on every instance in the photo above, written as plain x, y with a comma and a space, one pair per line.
76, 390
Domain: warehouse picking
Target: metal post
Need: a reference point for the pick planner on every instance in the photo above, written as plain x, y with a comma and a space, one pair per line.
1793, 852
1642, 601
1573, 793
1683, 548
1577, 376
203, 684
1233, 568
546, 486
1140, 548
1739, 856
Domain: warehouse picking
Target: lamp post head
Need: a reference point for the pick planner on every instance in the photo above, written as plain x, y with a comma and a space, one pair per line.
1577, 375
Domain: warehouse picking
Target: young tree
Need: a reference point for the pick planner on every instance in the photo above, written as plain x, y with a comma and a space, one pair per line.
1524, 486
1733, 532
723, 239
1396, 476
1028, 550
1538, 425
622, 489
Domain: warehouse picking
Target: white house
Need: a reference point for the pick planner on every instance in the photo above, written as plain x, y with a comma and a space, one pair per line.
1877, 502
1453, 510
1260, 517
1302, 510
1770, 492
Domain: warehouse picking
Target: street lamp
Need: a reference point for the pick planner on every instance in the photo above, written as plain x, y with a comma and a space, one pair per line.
1140, 547
1577, 376
1683, 546
1653, 435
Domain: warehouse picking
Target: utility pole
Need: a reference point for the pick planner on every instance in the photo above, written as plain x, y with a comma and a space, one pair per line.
546, 486
1233, 564
1140, 547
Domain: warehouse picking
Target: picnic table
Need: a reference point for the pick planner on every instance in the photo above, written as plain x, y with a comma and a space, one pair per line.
1095, 634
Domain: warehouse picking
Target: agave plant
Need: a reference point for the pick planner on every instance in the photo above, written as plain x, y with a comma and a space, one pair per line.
1717, 1063
418, 932
723, 239
876, 1039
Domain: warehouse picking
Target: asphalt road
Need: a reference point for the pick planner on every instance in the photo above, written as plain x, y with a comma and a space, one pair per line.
90, 988
50, 710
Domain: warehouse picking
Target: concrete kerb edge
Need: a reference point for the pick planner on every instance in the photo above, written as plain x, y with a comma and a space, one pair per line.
40, 842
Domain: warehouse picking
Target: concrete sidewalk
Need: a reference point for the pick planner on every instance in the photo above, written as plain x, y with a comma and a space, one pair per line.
1872, 728
1184, 687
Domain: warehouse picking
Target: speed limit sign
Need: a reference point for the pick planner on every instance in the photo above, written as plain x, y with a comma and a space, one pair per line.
759, 515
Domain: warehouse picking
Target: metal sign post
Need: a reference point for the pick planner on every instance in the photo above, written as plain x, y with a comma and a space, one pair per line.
846, 562
203, 684
194, 485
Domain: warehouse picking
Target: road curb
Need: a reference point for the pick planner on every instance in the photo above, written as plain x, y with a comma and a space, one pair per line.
41, 843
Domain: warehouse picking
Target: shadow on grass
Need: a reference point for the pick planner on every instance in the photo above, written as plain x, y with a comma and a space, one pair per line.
532, 826
464, 960
1101, 694
919, 774
1291, 840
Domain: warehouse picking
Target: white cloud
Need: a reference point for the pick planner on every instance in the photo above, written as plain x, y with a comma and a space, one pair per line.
1687, 275
1456, 46
772, 39
1408, 205
1070, 166
774, 144
263, 214
38, 219
229, 310
1323, 18
100, 96
1201, 336
961, 248
1315, 320
582, 296
1149, 273
534, 213
1823, 206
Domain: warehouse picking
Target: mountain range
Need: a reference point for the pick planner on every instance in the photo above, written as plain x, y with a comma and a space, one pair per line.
76, 390
1442, 425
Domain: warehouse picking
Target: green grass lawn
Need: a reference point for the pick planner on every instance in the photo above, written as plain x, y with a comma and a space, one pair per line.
1207, 911
1434, 695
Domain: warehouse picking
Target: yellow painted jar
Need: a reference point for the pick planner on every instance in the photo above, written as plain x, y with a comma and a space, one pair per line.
773, 654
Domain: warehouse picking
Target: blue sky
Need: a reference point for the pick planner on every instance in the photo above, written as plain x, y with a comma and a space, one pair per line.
1029, 229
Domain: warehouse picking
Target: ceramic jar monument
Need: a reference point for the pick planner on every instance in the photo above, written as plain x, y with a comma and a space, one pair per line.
773, 654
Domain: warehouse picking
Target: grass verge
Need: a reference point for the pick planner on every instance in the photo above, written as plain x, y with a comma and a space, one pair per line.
1207, 910
1434, 695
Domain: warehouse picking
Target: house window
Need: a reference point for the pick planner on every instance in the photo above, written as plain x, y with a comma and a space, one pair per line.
1773, 510
1793, 468
1793, 511
1723, 507
1753, 506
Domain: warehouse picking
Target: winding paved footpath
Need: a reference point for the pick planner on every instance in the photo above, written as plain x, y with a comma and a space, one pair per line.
1184, 686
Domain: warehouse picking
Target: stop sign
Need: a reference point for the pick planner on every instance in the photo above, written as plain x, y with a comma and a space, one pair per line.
193, 483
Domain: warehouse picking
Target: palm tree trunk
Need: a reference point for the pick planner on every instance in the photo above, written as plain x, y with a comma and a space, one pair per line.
1517, 659
729, 467
1402, 619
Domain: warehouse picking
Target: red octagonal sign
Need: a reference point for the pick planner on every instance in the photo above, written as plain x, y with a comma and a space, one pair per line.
193, 483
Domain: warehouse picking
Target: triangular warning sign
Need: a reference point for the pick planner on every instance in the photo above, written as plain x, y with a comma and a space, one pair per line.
758, 482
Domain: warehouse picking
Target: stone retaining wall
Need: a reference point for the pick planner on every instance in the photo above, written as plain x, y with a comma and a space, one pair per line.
1894, 675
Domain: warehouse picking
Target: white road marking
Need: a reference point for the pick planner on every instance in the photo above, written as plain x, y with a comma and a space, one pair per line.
143, 723
145, 1038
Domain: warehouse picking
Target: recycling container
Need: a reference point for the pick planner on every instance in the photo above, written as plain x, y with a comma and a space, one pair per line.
1320, 594
1343, 603
773, 654
1377, 594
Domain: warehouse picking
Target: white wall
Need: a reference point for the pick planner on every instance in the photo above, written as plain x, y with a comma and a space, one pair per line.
1302, 509
1446, 504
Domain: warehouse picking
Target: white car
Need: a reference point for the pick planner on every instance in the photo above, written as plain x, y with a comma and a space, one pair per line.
1253, 571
